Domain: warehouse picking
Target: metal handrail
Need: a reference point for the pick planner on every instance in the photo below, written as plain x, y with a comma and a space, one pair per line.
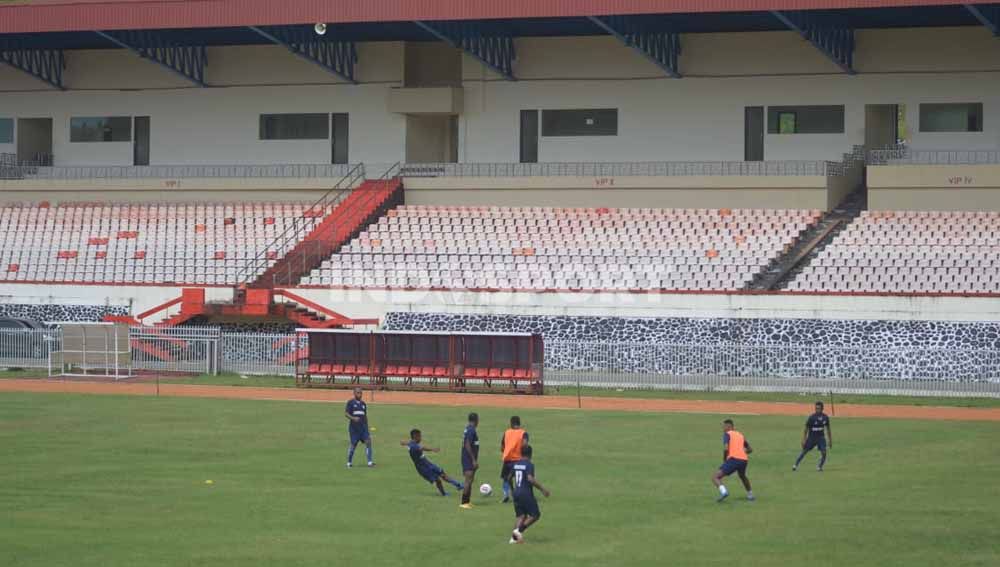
43, 169
624, 169
298, 230
487, 169
318, 251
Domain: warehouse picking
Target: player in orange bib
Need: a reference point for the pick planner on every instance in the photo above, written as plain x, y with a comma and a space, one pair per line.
734, 459
510, 448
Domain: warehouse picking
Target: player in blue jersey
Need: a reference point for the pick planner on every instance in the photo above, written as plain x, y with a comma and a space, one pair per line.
426, 469
357, 412
526, 510
470, 458
813, 436
510, 449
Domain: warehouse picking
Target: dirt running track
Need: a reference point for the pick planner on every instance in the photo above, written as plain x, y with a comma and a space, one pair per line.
499, 400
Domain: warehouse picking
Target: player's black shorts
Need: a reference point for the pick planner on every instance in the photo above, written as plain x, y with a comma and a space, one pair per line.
733, 465
818, 441
527, 506
467, 463
505, 470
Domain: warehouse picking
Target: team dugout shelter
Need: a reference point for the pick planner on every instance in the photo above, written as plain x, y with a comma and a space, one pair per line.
416, 360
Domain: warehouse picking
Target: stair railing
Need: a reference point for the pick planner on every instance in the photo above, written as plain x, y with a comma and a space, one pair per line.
285, 242
312, 253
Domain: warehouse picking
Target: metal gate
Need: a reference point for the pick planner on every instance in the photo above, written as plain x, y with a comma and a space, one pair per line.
176, 349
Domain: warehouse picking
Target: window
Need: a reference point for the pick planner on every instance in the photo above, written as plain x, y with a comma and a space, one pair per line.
805, 119
6, 130
294, 126
961, 117
341, 129
593, 122
786, 122
101, 129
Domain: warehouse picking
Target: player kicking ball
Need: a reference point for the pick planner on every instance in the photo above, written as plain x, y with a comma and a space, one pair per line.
426, 469
524, 483
813, 436
734, 460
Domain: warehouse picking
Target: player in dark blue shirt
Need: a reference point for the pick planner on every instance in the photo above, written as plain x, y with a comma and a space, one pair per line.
523, 479
357, 412
470, 458
426, 469
813, 436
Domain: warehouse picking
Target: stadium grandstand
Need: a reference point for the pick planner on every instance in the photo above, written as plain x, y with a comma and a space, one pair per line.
597, 173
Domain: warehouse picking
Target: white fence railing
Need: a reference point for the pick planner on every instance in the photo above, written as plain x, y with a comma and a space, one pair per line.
623, 169
485, 169
26, 348
909, 156
260, 354
88, 172
176, 349
793, 368
767, 368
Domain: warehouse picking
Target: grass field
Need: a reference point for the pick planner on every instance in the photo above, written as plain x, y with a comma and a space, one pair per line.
120, 481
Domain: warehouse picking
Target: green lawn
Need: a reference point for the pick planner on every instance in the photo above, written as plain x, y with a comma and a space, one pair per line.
120, 481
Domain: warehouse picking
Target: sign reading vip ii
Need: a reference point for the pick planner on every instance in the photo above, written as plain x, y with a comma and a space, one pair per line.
604, 182
960, 180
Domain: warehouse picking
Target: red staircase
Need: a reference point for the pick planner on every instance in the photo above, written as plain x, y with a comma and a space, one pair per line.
366, 203
311, 314
359, 208
192, 302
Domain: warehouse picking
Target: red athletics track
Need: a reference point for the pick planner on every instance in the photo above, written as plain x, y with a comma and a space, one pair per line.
499, 400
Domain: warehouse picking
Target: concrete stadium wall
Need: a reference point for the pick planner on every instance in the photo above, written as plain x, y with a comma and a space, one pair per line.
934, 187
375, 303
218, 125
801, 192
699, 117
206, 190
132, 299
839, 187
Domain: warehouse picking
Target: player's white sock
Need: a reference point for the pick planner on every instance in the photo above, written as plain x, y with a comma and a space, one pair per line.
722, 490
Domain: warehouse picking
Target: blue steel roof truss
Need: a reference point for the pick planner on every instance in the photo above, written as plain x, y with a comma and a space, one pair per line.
827, 33
43, 64
187, 61
662, 47
988, 15
337, 57
493, 49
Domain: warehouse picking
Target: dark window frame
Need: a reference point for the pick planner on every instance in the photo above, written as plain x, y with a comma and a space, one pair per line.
10, 130
803, 114
974, 117
277, 132
559, 122
103, 129
340, 131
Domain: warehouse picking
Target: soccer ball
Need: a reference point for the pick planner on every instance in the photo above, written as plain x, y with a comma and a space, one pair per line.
485, 489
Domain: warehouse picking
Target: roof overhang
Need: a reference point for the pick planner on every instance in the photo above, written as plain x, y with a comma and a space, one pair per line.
36, 16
